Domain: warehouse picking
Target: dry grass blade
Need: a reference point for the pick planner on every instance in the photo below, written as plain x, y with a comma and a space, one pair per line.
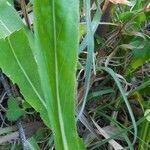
113, 143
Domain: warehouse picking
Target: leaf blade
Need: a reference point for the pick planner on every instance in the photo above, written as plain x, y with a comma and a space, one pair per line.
9, 19
17, 62
57, 43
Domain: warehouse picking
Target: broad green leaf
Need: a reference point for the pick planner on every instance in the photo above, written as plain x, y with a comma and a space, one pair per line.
56, 35
125, 16
18, 63
140, 56
128, 15
31, 1
14, 111
9, 19
33, 144
11, 1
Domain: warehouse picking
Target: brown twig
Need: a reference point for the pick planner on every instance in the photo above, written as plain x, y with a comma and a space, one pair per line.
106, 9
25, 13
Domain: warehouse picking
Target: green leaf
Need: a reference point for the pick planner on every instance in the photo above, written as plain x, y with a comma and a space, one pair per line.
82, 29
56, 34
140, 56
11, 1
31, 1
32, 144
14, 111
17, 62
125, 16
147, 114
9, 19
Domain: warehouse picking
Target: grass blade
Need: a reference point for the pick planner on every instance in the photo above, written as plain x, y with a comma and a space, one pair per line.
111, 72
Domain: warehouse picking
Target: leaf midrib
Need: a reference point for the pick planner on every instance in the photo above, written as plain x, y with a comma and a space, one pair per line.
61, 123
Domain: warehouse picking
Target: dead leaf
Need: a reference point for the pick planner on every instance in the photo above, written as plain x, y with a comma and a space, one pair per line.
148, 7
126, 2
112, 142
